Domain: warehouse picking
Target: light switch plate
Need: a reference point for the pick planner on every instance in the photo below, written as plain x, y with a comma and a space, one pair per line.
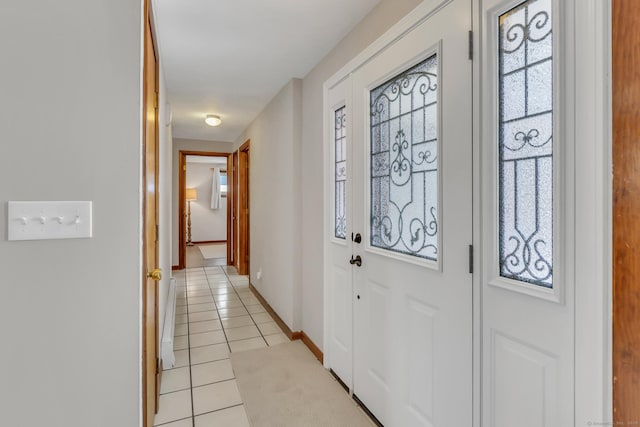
49, 220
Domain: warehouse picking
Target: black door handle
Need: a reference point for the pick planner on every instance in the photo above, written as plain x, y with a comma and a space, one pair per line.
357, 260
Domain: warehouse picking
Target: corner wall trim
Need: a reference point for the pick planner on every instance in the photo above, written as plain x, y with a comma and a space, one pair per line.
312, 346
272, 312
298, 335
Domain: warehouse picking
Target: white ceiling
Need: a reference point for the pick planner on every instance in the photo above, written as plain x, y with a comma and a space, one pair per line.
230, 57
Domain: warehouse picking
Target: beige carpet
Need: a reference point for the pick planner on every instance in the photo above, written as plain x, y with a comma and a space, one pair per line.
213, 250
285, 385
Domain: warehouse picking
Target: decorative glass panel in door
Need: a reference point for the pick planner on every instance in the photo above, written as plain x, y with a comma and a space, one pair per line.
340, 154
526, 143
404, 162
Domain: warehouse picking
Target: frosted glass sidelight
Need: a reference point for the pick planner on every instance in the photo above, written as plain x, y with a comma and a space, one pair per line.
526, 143
404, 162
340, 219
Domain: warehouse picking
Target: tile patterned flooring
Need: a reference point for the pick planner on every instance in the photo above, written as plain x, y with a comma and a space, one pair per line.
216, 314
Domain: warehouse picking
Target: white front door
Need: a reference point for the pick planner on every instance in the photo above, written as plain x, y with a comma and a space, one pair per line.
527, 215
412, 203
400, 319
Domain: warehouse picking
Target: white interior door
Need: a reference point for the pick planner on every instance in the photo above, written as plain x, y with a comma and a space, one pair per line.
339, 239
412, 196
527, 215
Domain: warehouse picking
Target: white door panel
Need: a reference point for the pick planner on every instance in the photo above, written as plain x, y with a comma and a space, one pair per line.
341, 310
412, 203
419, 364
338, 241
523, 384
526, 199
374, 325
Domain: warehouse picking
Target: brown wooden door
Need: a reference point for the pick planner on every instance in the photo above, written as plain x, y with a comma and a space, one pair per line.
243, 256
150, 364
235, 241
230, 193
626, 211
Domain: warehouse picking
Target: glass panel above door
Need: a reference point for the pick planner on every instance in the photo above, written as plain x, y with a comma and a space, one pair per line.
404, 162
340, 195
526, 143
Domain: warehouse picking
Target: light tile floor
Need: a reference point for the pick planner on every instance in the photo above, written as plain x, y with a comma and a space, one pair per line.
216, 314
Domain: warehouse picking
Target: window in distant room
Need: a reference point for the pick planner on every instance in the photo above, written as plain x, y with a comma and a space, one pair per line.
223, 183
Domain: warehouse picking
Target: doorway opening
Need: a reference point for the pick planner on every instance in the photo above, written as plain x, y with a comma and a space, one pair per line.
204, 212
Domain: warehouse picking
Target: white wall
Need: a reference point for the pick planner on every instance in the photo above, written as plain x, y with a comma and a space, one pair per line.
275, 201
387, 13
206, 224
187, 145
164, 199
70, 102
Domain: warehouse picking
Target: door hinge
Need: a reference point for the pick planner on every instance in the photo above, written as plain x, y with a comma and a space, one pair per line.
157, 233
470, 45
470, 259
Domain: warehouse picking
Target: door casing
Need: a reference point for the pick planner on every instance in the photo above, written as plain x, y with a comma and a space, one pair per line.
625, 102
182, 182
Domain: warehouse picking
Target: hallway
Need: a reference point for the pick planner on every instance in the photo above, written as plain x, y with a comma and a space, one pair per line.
523, 154
216, 314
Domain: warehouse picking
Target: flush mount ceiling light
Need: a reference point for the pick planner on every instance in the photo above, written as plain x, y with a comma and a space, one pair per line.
212, 120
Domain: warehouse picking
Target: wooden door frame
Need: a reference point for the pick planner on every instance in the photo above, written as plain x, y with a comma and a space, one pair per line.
182, 180
230, 195
244, 239
147, 412
626, 205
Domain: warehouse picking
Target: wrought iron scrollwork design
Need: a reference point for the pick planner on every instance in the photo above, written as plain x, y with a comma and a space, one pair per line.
404, 173
527, 259
526, 138
526, 144
341, 227
426, 157
401, 166
535, 30
340, 154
